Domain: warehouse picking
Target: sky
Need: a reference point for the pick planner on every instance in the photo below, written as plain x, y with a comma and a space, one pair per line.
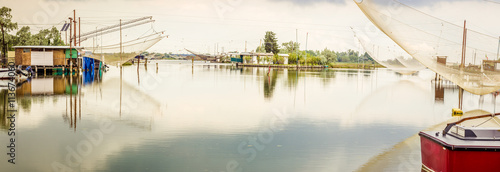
232, 25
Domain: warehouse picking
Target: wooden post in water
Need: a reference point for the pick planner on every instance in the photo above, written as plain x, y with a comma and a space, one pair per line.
146, 62
156, 67
138, 63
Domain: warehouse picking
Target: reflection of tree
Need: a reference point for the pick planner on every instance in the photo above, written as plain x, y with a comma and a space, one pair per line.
270, 84
326, 76
25, 103
3, 108
292, 78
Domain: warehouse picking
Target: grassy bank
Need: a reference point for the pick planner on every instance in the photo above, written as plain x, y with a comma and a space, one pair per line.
332, 65
355, 65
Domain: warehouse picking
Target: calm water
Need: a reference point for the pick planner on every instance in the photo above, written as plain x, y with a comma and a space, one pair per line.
214, 117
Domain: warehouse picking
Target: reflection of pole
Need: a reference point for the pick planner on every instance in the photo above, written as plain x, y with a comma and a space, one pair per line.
138, 77
74, 123
460, 97
71, 100
79, 98
121, 71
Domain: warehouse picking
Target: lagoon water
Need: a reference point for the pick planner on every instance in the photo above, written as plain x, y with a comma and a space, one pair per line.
216, 117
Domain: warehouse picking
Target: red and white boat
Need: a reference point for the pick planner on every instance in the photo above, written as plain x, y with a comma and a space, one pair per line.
460, 148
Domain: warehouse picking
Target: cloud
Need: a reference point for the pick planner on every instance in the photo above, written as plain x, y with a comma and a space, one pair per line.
310, 2
419, 3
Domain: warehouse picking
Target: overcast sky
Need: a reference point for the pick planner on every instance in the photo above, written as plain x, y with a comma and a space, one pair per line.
200, 24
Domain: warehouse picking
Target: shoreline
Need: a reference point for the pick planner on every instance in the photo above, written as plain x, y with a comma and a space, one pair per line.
339, 65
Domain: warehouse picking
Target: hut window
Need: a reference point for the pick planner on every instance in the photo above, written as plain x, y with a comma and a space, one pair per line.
26, 50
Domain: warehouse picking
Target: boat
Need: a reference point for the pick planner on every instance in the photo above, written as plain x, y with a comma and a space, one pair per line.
461, 148
459, 55
6, 74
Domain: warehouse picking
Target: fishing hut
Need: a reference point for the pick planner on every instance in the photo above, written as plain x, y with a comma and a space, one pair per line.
54, 59
50, 58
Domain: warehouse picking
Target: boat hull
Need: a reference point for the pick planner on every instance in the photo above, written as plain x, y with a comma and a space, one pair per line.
438, 155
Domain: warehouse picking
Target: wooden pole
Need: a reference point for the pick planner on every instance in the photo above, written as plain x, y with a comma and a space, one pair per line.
464, 45
74, 22
156, 67
66, 34
498, 49
121, 48
70, 49
121, 67
79, 32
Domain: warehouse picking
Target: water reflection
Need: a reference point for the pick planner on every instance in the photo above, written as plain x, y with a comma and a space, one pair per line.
217, 113
4, 122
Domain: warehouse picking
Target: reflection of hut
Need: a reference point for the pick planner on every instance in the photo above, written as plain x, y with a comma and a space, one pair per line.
46, 86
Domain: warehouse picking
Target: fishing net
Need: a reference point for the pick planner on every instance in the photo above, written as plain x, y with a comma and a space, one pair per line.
437, 44
385, 52
135, 38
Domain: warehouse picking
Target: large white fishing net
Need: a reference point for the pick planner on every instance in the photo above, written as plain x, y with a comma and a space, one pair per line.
438, 44
104, 44
387, 53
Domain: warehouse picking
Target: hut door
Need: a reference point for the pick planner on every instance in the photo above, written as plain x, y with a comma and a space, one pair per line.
41, 58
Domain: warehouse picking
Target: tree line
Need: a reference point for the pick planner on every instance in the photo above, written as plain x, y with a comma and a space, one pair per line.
24, 36
311, 57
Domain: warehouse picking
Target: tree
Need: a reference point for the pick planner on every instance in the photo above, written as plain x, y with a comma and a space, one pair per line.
271, 42
23, 36
329, 55
260, 49
6, 25
290, 47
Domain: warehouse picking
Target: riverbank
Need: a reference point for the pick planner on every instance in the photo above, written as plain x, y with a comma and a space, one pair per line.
336, 65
